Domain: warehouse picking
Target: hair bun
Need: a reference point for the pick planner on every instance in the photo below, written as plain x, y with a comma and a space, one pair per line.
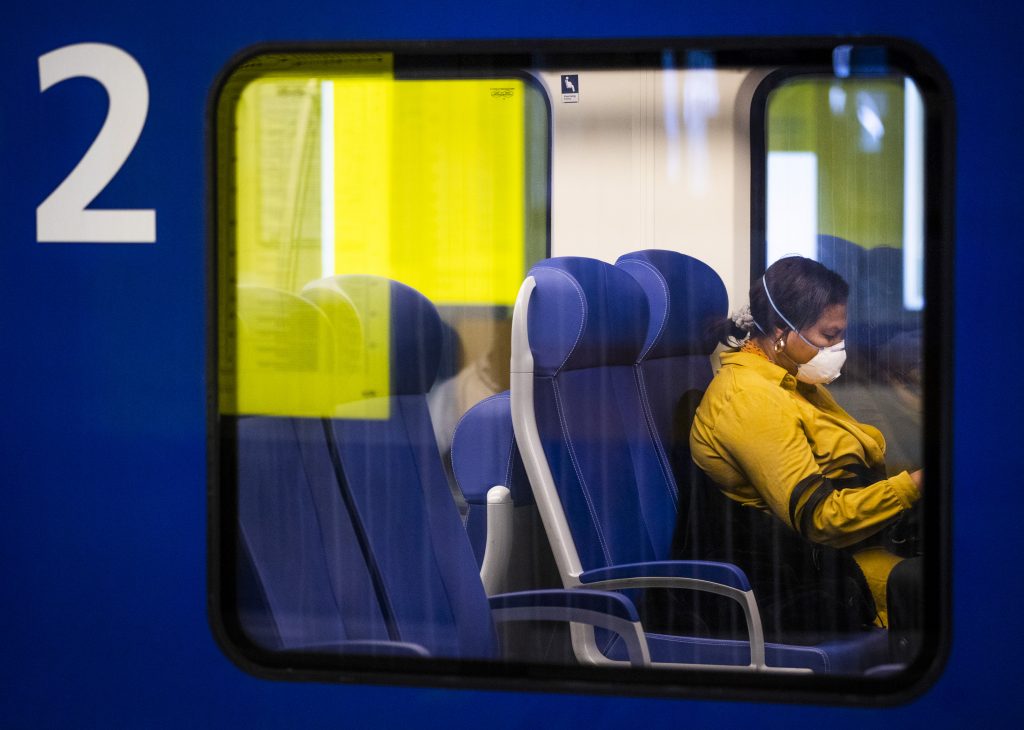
743, 319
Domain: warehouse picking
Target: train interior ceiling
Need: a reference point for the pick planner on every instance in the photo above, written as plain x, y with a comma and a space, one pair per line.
334, 186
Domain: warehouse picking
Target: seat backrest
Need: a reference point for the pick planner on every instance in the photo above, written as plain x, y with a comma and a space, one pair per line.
586, 324
391, 471
484, 455
686, 297
303, 583
308, 585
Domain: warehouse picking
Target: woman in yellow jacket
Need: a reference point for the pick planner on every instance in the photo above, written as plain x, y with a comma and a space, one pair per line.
773, 439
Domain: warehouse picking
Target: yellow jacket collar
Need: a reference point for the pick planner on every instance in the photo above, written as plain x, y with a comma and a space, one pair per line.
764, 367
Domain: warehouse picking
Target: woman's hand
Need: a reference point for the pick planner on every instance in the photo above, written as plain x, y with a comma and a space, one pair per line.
918, 477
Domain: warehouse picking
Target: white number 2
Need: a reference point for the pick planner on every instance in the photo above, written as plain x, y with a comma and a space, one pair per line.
64, 215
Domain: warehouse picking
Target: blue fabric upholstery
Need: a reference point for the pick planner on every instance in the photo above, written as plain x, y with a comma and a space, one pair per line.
308, 569
350, 541
392, 470
848, 655
415, 335
611, 604
685, 297
582, 315
586, 439
845, 656
721, 573
484, 454
592, 317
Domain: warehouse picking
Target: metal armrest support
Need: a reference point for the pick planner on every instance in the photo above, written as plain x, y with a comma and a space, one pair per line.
595, 608
689, 575
724, 573
498, 548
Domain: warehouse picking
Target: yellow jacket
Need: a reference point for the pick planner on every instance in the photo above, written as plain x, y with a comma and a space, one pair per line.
783, 446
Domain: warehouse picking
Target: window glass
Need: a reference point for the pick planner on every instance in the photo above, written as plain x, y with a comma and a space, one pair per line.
420, 181
477, 317
845, 186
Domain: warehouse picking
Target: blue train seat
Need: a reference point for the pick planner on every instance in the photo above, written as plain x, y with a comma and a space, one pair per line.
389, 483
489, 473
685, 297
484, 443
303, 583
392, 469
579, 328
503, 523
308, 588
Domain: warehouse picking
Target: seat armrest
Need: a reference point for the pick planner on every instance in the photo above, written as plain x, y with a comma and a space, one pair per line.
719, 578
374, 647
498, 548
721, 573
613, 604
605, 610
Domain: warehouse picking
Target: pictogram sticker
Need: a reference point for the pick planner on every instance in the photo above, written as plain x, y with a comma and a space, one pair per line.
570, 88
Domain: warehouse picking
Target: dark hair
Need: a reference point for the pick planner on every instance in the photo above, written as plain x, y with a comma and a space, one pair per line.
801, 288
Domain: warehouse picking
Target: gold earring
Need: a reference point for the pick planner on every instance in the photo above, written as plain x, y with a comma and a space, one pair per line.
780, 345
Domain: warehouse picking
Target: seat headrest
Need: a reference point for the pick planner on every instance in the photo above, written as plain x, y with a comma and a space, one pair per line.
408, 319
584, 313
484, 452
686, 297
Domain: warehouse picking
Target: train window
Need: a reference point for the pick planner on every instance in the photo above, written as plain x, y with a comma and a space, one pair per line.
845, 186
470, 301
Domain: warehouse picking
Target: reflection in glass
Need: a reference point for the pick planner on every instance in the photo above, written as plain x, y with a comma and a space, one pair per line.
392, 236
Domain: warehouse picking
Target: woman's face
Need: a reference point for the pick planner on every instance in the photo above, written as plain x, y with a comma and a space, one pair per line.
830, 329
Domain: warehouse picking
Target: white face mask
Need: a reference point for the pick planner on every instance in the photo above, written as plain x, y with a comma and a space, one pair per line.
824, 367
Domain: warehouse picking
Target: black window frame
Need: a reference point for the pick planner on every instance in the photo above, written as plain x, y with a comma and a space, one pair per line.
493, 58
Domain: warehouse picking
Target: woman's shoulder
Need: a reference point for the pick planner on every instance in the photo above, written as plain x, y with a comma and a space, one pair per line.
736, 399
745, 379
748, 372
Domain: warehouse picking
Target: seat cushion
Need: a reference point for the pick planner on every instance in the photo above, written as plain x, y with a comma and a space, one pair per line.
847, 655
